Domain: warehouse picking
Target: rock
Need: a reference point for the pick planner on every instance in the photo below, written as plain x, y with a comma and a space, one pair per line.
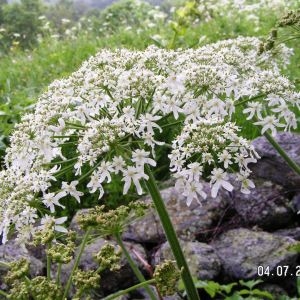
110, 281
293, 233
11, 251
271, 166
266, 206
188, 221
241, 251
201, 258
296, 203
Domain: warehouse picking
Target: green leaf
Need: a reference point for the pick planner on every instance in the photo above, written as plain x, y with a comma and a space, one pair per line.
298, 285
244, 292
258, 292
212, 288
228, 287
235, 296
250, 284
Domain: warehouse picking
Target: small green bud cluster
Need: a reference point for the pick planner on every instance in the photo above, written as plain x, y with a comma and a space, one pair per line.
166, 277
39, 288
19, 291
290, 19
45, 235
17, 270
43, 288
112, 221
62, 253
84, 281
109, 258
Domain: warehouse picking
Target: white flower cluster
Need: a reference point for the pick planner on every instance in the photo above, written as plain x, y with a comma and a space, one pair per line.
109, 117
200, 147
250, 9
247, 6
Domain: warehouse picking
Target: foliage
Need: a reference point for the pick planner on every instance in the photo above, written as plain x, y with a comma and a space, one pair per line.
233, 291
129, 15
20, 24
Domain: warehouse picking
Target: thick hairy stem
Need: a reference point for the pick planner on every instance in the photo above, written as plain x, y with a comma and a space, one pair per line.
171, 236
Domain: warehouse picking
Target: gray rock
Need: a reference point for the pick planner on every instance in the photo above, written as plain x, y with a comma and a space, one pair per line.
241, 251
296, 202
271, 166
293, 233
266, 206
201, 258
111, 281
189, 221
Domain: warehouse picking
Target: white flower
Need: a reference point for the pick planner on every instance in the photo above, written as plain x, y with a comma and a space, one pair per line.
252, 109
225, 157
243, 160
192, 190
51, 200
269, 122
140, 157
219, 179
95, 184
246, 182
60, 128
175, 83
46, 220
104, 171
133, 174
70, 189
118, 164
193, 173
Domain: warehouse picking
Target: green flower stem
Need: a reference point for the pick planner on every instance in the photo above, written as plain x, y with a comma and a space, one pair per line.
173, 41
171, 236
282, 153
58, 273
3, 294
76, 263
48, 265
134, 268
132, 288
